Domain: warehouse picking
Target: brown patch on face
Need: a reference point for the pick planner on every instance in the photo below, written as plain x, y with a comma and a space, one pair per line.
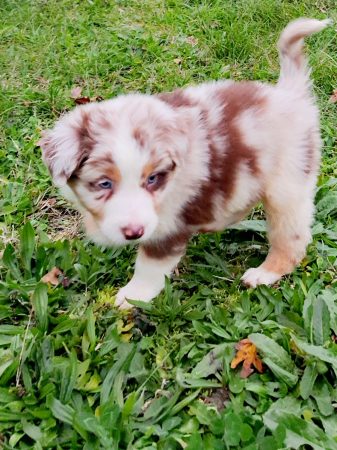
161, 175
108, 171
172, 245
176, 99
140, 136
226, 158
149, 168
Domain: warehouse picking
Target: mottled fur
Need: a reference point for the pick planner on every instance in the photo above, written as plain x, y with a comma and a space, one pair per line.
159, 168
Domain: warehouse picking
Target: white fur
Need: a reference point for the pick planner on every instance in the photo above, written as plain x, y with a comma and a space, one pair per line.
148, 279
255, 276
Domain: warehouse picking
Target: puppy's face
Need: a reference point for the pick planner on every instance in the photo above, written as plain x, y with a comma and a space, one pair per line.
117, 161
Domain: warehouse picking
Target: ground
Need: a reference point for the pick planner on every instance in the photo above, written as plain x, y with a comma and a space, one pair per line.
76, 373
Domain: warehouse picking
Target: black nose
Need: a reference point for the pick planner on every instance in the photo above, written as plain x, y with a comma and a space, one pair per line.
132, 232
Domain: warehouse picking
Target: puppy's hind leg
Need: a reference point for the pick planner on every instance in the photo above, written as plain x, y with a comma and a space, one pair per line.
289, 233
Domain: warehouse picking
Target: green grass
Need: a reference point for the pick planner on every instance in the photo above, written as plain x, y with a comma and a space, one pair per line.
75, 373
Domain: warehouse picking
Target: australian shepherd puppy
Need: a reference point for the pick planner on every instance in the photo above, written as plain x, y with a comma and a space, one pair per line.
155, 169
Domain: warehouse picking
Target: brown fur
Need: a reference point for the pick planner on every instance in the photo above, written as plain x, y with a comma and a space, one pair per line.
140, 136
225, 162
311, 154
171, 245
176, 99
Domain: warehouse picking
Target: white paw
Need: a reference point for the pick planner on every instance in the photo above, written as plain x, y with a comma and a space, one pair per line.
258, 275
135, 291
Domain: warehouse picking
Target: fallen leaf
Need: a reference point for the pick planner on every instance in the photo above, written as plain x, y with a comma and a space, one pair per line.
177, 60
246, 353
82, 100
333, 98
52, 277
76, 92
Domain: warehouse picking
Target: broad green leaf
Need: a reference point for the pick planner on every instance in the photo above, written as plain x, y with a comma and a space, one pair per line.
322, 396
65, 325
11, 330
27, 243
90, 423
232, 429
308, 379
327, 205
194, 442
186, 380
14, 439
283, 374
330, 298
276, 358
62, 412
129, 405
40, 304
251, 225
10, 261
211, 362
91, 327
125, 355
6, 416
33, 431
329, 425
324, 354
300, 432
69, 377
316, 319
286, 413
184, 402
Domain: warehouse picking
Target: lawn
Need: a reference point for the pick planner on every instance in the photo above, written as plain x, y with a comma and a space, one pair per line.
76, 373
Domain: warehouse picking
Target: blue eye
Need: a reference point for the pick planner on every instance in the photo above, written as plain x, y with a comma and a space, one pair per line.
106, 184
152, 179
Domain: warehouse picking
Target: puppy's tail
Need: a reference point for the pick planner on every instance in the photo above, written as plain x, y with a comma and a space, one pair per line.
295, 73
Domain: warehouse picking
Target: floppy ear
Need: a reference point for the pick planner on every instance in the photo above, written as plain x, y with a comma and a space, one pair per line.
66, 146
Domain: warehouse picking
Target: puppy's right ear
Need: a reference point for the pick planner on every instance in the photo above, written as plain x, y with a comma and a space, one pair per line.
66, 146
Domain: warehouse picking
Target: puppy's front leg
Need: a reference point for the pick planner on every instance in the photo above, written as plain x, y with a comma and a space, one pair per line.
149, 277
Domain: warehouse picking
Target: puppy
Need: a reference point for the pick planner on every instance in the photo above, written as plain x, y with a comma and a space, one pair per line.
154, 170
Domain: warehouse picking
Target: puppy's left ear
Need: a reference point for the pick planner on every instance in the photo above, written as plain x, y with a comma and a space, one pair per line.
66, 146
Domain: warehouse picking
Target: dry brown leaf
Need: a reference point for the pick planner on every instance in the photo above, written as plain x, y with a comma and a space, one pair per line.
82, 100
333, 98
52, 277
246, 353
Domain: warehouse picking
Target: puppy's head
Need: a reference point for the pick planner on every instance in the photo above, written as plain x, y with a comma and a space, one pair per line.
117, 161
